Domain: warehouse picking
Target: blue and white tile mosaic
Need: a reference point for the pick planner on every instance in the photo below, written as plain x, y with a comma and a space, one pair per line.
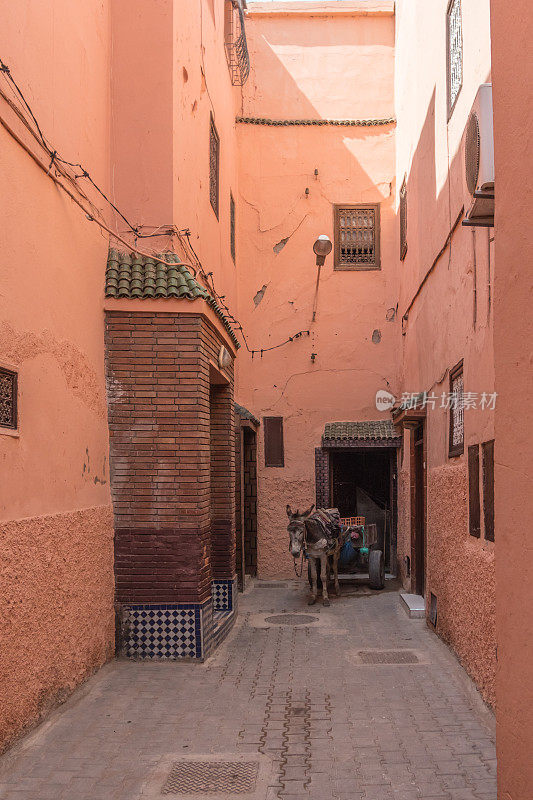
222, 591
164, 631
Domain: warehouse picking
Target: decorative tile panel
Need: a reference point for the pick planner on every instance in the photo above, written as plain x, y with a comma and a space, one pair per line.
163, 631
222, 591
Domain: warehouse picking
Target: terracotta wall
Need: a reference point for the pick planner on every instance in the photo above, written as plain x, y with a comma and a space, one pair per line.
513, 333
160, 127
450, 318
338, 66
57, 564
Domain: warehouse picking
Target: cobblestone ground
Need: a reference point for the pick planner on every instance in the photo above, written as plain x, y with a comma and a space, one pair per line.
333, 726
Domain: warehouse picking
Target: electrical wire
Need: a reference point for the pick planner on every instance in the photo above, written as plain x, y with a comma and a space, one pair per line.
56, 160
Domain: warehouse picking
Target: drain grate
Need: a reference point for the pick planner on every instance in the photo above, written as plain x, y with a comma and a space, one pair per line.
291, 619
388, 657
211, 777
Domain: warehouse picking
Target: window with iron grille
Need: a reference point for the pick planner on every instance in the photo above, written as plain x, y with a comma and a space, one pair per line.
454, 48
232, 226
8, 399
235, 42
403, 220
357, 231
214, 165
457, 434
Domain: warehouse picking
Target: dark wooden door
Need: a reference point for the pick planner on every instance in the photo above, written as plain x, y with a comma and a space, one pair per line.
419, 512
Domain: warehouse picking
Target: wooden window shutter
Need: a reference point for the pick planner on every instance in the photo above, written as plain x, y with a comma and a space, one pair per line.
474, 516
274, 454
487, 450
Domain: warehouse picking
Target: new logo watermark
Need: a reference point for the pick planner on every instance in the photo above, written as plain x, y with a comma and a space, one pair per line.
486, 401
384, 400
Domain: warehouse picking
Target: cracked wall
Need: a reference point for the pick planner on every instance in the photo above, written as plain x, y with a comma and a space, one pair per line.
287, 198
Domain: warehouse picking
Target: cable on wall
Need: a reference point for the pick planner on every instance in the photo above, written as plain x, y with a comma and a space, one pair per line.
183, 235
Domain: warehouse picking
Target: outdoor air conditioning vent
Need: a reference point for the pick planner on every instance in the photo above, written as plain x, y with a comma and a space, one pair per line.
479, 161
479, 144
472, 152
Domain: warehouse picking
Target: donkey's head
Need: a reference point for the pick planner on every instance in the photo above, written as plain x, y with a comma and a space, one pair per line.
296, 528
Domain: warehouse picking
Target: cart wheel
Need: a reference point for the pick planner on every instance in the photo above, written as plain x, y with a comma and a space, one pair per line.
376, 569
318, 578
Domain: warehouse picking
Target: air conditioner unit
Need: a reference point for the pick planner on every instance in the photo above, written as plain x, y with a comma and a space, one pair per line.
479, 160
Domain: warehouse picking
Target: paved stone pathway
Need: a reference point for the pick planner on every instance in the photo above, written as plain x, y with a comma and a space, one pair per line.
331, 724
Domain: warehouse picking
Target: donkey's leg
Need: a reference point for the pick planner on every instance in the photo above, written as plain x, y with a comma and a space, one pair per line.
335, 560
312, 569
324, 572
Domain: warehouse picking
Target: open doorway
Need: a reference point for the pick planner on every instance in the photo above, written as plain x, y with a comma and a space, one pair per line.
362, 483
418, 533
245, 494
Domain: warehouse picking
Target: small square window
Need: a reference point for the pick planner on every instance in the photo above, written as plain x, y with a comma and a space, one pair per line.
214, 165
403, 220
457, 434
357, 232
454, 53
8, 399
232, 226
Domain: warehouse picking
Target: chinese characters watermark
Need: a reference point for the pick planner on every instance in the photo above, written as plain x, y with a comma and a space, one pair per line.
486, 401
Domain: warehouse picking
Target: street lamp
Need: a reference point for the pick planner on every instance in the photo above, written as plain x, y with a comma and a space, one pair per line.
322, 248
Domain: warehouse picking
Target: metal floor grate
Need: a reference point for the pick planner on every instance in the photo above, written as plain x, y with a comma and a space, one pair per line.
388, 657
211, 777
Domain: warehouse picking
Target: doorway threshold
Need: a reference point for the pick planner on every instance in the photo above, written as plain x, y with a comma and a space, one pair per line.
362, 576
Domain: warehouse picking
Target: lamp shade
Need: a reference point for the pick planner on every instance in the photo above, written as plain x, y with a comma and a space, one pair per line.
322, 246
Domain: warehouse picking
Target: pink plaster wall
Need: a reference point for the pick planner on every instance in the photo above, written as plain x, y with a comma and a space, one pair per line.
513, 334
56, 602
451, 319
337, 66
160, 126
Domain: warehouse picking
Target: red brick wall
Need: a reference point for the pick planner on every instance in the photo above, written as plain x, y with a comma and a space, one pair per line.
160, 438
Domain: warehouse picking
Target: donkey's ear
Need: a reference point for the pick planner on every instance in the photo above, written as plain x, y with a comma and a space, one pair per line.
306, 513
289, 512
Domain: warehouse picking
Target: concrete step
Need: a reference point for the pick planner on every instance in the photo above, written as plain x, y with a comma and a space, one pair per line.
414, 605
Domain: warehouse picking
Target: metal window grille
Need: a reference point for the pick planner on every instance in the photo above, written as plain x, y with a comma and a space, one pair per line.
214, 165
8, 398
403, 220
232, 226
456, 445
235, 42
454, 37
357, 229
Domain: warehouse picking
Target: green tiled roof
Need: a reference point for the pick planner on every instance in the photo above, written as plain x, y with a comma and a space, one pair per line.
373, 429
245, 414
134, 276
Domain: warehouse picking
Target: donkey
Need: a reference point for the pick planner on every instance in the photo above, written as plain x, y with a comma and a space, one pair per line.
318, 537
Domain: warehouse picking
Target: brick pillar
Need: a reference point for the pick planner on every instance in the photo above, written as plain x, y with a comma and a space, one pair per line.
322, 477
222, 482
158, 375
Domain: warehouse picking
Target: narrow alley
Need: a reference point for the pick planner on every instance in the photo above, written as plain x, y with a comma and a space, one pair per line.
300, 692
